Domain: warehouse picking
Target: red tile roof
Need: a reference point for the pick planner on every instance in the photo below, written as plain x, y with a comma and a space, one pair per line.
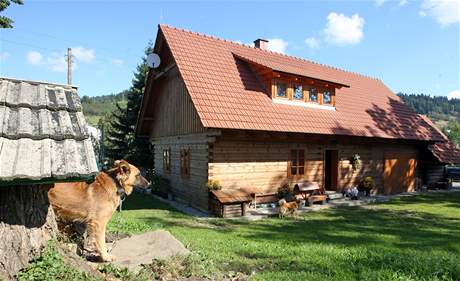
445, 152
227, 94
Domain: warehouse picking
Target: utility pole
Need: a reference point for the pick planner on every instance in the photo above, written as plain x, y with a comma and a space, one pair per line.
69, 66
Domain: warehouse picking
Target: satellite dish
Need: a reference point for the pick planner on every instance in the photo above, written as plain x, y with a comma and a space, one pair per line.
153, 60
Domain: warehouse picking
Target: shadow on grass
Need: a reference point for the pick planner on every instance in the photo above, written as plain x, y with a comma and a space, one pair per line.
416, 238
352, 226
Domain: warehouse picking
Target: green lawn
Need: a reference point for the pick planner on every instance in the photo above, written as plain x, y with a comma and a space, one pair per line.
411, 238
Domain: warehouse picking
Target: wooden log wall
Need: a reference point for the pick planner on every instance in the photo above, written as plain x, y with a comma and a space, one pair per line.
263, 164
174, 112
186, 188
434, 173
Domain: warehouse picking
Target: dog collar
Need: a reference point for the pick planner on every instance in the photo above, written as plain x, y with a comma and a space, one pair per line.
120, 189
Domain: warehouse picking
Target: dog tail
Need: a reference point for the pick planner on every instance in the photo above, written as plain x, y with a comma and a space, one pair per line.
282, 202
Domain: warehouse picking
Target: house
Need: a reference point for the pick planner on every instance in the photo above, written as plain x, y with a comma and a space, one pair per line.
43, 140
253, 119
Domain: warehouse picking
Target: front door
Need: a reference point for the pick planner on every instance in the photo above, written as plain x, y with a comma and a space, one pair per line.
399, 173
331, 169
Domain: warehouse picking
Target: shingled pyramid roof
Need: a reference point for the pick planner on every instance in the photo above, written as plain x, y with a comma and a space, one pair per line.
43, 133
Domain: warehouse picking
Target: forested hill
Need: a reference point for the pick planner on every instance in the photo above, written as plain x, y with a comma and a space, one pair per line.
439, 109
97, 107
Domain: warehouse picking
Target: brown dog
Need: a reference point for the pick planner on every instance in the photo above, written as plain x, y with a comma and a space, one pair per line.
94, 204
288, 208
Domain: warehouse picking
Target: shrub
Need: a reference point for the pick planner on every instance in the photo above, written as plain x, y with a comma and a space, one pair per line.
160, 185
366, 185
213, 185
286, 191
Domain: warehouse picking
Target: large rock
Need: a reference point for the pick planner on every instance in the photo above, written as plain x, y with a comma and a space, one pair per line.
131, 252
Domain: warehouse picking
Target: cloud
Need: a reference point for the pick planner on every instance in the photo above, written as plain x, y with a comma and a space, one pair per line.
34, 58
277, 45
4, 56
380, 3
116, 61
445, 12
343, 30
312, 42
57, 61
455, 94
83, 55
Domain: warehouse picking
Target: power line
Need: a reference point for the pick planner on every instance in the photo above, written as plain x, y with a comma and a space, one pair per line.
103, 58
29, 45
107, 51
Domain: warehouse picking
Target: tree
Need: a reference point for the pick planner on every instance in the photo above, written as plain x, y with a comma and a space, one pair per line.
122, 142
453, 132
6, 22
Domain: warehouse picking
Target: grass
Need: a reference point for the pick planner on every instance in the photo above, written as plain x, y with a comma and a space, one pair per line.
409, 238
50, 266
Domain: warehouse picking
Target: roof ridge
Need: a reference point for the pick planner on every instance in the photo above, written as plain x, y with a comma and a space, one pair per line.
38, 82
268, 51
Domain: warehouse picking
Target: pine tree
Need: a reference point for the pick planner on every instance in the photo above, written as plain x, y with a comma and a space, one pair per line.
122, 142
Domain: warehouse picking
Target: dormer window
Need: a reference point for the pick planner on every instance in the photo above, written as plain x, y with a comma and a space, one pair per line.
290, 89
327, 97
312, 95
297, 92
281, 90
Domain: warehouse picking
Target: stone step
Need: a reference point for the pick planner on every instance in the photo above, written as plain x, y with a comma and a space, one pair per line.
334, 195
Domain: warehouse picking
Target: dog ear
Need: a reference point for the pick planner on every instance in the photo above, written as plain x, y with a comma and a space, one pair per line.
123, 167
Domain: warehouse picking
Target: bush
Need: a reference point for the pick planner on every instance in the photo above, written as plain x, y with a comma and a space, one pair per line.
366, 185
160, 185
213, 185
286, 191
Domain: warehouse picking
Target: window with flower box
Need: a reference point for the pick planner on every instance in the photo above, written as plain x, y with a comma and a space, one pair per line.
303, 90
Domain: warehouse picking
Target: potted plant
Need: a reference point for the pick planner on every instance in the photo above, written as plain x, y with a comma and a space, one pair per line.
286, 191
366, 185
213, 185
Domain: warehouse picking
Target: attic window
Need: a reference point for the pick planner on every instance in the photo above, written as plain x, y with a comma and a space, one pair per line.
281, 90
297, 92
327, 97
300, 91
313, 95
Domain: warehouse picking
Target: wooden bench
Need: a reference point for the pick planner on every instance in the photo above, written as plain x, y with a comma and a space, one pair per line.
311, 192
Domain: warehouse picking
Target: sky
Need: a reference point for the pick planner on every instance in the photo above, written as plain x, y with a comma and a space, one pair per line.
413, 46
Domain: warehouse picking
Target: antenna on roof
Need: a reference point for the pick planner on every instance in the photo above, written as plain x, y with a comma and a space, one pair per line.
153, 60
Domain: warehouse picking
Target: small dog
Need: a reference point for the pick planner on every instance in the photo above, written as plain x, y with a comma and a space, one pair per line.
93, 204
288, 208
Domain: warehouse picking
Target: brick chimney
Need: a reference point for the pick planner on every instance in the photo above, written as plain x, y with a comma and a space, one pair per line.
261, 44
